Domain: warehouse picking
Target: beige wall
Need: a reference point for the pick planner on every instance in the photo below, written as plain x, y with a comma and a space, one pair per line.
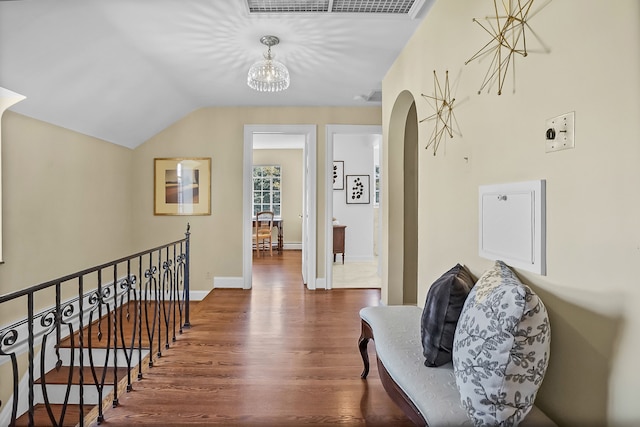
219, 133
593, 198
291, 202
66, 207
66, 202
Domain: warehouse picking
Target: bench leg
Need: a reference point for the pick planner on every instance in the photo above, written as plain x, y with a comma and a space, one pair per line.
365, 336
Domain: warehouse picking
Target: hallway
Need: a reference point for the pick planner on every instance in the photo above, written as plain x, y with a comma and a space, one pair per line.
278, 355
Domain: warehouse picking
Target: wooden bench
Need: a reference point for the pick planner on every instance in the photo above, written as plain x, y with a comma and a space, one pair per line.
428, 396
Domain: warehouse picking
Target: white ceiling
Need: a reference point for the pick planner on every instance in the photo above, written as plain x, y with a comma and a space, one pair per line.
123, 70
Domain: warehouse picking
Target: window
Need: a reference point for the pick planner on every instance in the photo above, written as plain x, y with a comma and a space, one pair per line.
266, 189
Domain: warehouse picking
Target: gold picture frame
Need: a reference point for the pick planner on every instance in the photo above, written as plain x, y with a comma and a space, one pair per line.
182, 186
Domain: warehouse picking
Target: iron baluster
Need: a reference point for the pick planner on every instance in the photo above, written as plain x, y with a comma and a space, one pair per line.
52, 323
180, 286
8, 338
81, 347
174, 294
31, 355
150, 286
187, 324
77, 325
158, 301
139, 310
115, 337
166, 290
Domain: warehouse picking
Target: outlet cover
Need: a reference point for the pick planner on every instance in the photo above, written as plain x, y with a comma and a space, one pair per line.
560, 132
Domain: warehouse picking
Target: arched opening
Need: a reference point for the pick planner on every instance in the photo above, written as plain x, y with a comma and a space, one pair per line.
402, 203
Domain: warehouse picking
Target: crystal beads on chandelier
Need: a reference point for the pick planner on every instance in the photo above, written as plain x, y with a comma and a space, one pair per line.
268, 75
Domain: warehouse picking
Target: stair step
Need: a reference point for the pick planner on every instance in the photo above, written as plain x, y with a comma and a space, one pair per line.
57, 392
61, 376
98, 333
56, 381
99, 356
41, 417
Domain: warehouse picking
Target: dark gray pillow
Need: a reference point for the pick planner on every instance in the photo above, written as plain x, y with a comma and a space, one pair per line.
442, 309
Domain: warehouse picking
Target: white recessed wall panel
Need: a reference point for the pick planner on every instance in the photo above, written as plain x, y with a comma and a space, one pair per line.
512, 224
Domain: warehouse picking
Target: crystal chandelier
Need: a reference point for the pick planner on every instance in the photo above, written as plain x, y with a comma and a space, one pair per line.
268, 75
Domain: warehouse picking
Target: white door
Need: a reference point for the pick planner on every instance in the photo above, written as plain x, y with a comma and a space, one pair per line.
305, 217
309, 211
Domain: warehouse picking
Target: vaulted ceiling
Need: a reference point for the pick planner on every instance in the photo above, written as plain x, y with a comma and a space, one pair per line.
123, 70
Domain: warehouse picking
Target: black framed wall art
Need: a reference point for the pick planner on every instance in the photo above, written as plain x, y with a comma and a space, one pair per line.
338, 175
358, 189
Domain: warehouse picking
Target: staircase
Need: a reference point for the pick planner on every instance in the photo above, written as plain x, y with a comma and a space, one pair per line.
103, 369
76, 357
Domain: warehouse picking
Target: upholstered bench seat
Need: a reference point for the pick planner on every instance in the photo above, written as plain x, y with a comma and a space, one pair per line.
433, 398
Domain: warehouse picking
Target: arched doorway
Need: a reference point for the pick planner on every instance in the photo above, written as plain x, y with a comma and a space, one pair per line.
401, 209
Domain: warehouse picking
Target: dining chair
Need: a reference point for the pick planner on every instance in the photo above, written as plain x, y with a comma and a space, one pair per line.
263, 224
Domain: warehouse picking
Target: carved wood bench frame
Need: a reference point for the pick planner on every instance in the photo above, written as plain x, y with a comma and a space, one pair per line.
393, 390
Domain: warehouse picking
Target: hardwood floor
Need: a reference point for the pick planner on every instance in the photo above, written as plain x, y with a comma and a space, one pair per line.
277, 355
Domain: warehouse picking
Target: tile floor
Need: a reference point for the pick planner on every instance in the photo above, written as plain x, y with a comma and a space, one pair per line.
356, 274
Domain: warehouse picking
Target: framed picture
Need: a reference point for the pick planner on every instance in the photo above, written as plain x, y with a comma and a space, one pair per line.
338, 175
182, 186
358, 189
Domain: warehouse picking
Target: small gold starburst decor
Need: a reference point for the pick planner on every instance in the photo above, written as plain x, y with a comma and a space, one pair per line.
444, 118
507, 29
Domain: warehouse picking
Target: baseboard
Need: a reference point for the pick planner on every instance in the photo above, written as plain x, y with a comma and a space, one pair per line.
228, 282
292, 246
197, 295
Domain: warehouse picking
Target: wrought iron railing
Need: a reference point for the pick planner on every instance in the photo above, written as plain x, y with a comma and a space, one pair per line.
106, 319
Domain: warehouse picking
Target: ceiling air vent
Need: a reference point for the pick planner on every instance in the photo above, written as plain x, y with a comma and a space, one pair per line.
287, 6
375, 6
402, 7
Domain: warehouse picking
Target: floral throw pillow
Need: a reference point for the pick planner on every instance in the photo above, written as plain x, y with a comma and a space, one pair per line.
500, 349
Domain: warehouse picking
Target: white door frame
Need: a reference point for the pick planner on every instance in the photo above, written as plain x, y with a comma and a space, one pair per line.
309, 210
331, 131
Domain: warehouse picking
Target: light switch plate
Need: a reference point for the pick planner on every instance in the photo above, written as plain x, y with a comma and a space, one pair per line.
560, 132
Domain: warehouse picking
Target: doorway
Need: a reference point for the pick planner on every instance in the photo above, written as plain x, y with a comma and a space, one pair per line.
358, 147
400, 240
307, 134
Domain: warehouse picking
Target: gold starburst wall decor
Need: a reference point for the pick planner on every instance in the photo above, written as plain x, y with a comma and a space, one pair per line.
442, 102
507, 28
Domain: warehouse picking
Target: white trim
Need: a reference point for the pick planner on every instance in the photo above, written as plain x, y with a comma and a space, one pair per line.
331, 131
512, 224
197, 295
309, 229
228, 282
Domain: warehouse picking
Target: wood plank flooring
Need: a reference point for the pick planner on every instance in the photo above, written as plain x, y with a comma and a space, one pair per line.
277, 355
